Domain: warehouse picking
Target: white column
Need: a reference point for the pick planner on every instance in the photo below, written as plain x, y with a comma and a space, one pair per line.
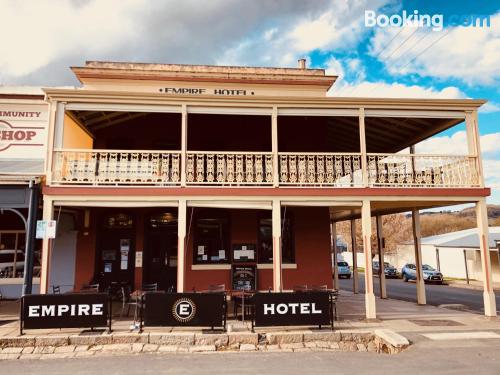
183, 144
355, 273
366, 225
181, 244
50, 142
380, 243
276, 215
362, 145
490, 308
48, 213
333, 232
417, 241
274, 146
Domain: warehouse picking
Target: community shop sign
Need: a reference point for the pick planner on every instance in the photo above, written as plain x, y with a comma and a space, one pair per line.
23, 138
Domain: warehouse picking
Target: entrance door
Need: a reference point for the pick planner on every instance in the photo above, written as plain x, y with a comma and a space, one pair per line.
116, 250
160, 257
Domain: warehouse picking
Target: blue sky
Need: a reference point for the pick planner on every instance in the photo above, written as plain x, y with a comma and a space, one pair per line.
43, 38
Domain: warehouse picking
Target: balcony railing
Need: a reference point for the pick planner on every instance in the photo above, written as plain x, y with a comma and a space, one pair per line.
116, 167
229, 168
422, 170
203, 168
319, 169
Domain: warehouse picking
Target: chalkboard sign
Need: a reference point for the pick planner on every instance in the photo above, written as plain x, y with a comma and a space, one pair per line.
244, 277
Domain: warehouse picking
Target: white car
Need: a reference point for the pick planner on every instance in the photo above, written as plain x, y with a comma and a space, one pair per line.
7, 262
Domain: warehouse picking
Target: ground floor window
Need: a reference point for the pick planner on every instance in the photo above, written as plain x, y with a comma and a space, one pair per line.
265, 250
211, 237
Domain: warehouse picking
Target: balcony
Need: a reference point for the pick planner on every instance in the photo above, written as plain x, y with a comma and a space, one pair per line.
91, 167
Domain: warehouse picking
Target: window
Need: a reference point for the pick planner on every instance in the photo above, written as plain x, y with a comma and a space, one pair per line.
163, 220
12, 244
119, 221
211, 238
265, 250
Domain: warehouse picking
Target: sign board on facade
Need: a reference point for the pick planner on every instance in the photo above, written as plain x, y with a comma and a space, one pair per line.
292, 309
185, 309
74, 310
244, 277
23, 138
45, 229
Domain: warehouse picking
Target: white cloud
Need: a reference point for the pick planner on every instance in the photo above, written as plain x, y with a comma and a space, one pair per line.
395, 90
339, 28
470, 54
457, 144
43, 31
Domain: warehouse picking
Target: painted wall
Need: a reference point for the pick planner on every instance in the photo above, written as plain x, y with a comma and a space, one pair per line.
74, 136
63, 255
312, 251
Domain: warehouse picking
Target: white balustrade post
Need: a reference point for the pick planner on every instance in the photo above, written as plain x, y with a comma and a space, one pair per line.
415, 217
48, 212
362, 144
181, 244
274, 146
366, 225
276, 229
490, 308
183, 144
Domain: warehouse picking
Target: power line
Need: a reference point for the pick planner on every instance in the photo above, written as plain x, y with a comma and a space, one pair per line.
402, 44
390, 41
425, 49
425, 35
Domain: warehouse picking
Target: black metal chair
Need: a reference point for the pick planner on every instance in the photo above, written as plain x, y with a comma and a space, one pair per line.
137, 302
56, 289
300, 288
90, 288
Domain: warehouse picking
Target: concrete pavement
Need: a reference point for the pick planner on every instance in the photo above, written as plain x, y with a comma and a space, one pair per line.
465, 359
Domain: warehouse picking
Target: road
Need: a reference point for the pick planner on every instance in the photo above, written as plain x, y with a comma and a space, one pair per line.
466, 359
436, 294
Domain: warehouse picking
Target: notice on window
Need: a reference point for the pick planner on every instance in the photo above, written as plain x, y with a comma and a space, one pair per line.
108, 267
222, 254
201, 250
45, 229
138, 259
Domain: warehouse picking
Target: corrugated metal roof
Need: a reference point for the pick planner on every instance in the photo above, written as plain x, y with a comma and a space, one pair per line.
463, 238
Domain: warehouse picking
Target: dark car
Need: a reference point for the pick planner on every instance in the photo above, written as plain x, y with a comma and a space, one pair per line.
389, 270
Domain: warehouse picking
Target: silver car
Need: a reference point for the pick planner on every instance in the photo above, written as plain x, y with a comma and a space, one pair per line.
343, 269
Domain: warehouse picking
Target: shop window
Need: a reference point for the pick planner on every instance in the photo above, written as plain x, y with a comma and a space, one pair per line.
211, 238
163, 220
119, 221
265, 250
12, 246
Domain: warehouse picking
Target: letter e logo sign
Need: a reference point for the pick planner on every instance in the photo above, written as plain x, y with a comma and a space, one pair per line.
184, 310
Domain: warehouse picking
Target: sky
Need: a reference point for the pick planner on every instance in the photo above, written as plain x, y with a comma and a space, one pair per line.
41, 39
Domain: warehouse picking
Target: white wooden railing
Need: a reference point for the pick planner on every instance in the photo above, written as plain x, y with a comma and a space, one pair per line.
116, 167
229, 168
163, 168
320, 169
409, 170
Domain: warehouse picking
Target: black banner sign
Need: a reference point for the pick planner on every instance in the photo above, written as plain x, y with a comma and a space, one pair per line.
185, 309
74, 310
290, 309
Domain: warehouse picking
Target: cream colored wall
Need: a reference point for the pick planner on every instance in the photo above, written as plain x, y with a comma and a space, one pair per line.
74, 136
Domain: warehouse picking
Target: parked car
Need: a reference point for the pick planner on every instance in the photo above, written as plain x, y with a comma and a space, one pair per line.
343, 269
7, 262
429, 274
389, 271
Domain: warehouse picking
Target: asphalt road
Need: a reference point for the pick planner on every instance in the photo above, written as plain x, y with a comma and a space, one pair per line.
436, 294
466, 359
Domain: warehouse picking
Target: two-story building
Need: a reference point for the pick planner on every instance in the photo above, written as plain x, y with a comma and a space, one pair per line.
177, 173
